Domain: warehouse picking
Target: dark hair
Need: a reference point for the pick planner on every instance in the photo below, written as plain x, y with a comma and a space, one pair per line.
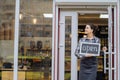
94, 28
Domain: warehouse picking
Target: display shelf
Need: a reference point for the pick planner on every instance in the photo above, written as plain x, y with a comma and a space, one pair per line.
25, 75
36, 30
31, 57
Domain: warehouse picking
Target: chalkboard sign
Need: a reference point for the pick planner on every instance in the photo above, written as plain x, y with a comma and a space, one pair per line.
90, 48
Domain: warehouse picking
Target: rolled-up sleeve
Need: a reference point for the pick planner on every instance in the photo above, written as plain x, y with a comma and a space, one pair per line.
77, 50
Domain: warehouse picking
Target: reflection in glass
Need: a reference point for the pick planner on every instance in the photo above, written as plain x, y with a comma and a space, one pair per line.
35, 37
67, 47
7, 17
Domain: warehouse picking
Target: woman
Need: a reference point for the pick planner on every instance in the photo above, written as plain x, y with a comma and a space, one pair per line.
88, 65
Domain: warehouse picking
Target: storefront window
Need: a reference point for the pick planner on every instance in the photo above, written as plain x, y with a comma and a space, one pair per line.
35, 37
7, 17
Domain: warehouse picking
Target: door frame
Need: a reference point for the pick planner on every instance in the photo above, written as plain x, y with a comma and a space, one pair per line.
57, 20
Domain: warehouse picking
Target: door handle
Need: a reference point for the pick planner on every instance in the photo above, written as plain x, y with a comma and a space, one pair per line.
105, 63
61, 45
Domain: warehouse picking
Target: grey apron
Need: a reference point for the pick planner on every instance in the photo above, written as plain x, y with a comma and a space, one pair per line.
88, 68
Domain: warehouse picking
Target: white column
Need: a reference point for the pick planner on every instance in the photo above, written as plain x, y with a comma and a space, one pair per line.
118, 15
55, 42
16, 38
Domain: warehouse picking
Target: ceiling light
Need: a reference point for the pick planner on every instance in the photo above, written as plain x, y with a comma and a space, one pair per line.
34, 20
21, 16
46, 15
104, 16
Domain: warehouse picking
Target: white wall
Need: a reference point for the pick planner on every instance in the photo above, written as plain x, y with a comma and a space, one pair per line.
86, 0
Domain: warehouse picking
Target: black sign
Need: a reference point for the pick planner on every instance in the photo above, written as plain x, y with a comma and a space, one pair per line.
90, 48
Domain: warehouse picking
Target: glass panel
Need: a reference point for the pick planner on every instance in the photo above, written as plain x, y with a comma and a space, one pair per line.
7, 17
113, 30
35, 37
68, 47
107, 75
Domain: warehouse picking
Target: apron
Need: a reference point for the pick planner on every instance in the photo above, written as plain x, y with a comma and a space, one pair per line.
88, 68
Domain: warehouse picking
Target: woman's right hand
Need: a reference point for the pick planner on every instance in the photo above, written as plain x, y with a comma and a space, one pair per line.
89, 55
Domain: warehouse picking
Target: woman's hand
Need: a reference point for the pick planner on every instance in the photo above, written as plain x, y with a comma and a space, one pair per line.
89, 55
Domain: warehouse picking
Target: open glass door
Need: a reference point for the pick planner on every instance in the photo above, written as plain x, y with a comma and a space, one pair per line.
67, 45
110, 56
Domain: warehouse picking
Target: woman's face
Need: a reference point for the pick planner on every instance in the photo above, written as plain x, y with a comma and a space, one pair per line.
88, 29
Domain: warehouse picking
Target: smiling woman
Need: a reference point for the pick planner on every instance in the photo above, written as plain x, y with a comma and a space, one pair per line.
88, 64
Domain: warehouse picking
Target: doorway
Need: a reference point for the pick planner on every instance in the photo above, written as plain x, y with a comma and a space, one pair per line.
72, 23
101, 23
